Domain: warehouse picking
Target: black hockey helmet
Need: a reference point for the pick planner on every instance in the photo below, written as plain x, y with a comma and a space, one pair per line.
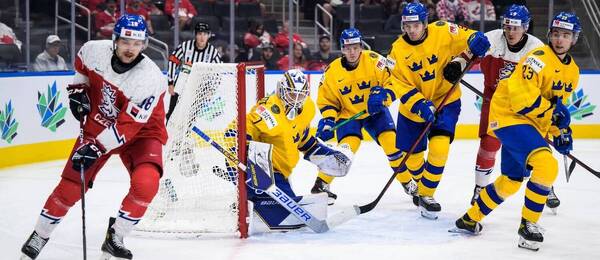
202, 27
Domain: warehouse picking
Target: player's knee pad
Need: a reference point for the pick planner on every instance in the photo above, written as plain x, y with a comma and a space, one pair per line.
64, 196
505, 186
415, 161
352, 141
144, 183
544, 167
438, 150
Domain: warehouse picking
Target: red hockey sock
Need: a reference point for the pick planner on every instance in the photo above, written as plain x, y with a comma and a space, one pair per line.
144, 186
486, 158
64, 196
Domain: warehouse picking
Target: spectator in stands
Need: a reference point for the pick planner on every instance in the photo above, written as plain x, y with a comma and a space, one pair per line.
151, 8
452, 11
282, 41
323, 57
49, 60
330, 5
138, 7
186, 12
105, 19
7, 36
269, 56
473, 9
300, 62
432, 14
256, 35
93, 5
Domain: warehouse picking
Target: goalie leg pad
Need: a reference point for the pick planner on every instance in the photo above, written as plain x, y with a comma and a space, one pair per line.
259, 174
269, 215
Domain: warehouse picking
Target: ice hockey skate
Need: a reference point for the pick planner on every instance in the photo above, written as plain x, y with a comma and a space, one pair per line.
530, 235
553, 202
321, 186
113, 247
466, 225
429, 207
32, 247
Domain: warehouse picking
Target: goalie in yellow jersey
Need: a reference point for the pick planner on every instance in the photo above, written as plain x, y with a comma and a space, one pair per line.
417, 60
281, 122
525, 108
343, 92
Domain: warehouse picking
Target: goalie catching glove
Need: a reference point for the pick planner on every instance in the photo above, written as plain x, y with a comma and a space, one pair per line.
333, 161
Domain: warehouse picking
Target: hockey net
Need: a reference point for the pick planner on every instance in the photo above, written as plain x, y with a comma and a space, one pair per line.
198, 193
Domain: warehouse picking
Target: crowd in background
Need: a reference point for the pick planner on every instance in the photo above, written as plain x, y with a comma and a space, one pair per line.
267, 44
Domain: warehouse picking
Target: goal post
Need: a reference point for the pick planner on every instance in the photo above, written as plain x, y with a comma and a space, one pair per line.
199, 192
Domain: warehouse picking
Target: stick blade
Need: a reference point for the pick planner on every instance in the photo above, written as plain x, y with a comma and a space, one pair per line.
343, 216
570, 171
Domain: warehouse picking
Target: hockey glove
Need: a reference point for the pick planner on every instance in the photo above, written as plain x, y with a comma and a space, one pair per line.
424, 109
86, 155
564, 142
453, 71
561, 117
478, 44
324, 129
79, 103
333, 161
377, 97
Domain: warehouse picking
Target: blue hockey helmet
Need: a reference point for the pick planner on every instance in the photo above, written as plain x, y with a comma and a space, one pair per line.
415, 12
567, 21
350, 36
517, 15
130, 26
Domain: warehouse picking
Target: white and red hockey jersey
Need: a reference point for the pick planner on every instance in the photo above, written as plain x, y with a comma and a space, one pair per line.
123, 106
499, 62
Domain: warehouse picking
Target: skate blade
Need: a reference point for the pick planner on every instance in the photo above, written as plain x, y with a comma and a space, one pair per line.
108, 256
25, 257
530, 245
456, 230
428, 214
330, 201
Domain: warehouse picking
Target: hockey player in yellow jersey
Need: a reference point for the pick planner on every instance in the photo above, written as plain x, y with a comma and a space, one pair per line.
282, 120
525, 108
343, 92
417, 61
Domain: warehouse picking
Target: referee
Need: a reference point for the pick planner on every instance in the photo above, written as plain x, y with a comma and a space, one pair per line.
189, 52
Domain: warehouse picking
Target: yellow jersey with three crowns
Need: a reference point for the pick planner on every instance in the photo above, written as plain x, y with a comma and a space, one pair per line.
267, 122
417, 68
344, 93
524, 97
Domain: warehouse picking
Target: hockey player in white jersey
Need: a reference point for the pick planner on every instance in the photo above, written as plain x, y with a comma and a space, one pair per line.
117, 95
508, 45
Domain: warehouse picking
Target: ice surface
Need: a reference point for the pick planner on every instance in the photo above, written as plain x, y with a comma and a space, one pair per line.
393, 230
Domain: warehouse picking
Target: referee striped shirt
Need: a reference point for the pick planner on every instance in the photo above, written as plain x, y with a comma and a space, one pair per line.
187, 53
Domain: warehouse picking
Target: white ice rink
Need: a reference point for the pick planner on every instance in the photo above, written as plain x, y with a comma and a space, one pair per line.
393, 230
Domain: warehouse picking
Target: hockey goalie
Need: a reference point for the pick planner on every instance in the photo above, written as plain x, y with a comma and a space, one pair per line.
278, 129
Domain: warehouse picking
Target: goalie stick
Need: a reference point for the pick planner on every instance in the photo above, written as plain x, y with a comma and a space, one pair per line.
574, 159
316, 225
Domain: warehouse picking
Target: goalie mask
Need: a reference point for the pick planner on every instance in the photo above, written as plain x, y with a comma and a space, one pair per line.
293, 90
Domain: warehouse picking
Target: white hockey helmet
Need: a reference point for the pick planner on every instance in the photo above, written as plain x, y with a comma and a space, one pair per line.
293, 90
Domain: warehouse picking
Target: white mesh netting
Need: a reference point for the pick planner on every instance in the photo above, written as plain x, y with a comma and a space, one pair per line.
197, 193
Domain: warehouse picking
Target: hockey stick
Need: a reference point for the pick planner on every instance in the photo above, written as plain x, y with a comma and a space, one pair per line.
317, 225
355, 116
83, 184
572, 157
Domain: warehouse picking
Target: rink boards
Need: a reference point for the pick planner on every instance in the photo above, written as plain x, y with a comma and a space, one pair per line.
36, 124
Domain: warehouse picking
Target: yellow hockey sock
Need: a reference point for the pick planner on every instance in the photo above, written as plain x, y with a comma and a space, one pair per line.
436, 160
492, 196
545, 170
